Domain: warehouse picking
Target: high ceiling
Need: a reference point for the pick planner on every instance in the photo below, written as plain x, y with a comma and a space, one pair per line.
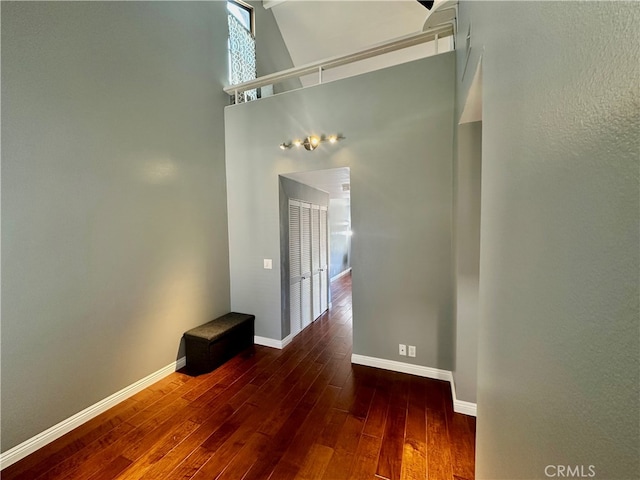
315, 30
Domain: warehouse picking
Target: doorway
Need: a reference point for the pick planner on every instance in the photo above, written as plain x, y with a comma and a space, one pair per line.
315, 242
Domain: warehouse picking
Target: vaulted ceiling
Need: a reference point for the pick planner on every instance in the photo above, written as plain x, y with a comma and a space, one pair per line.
314, 30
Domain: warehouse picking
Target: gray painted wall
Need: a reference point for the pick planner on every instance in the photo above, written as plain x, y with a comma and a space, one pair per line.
559, 331
340, 241
114, 227
399, 149
291, 190
467, 175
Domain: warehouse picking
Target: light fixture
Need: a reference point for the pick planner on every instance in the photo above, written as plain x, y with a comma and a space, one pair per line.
311, 142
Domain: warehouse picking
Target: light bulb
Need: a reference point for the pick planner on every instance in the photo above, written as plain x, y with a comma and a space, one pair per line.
297, 142
333, 139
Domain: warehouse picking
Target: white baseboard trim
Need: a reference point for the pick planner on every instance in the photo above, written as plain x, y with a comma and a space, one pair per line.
459, 406
341, 274
267, 342
29, 446
287, 340
467, 408
402, 367
270, 342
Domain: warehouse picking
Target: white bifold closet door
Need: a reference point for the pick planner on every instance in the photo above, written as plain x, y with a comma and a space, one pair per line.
308, 272
295, 267
315, 259
305, 228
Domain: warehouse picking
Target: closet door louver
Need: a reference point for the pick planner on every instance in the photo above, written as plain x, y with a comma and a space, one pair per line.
315, 260
305, 221
295, 266
308, 259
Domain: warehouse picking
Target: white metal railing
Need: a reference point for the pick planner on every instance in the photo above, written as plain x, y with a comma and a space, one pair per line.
318, 67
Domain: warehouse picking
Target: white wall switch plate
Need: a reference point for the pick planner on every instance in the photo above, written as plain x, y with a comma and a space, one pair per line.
268, 264
412, 351
403, 349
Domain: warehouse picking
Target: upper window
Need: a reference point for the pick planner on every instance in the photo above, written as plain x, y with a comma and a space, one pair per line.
243, 13
242, 46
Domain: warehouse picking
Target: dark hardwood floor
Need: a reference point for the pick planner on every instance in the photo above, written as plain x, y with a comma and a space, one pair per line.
303, 412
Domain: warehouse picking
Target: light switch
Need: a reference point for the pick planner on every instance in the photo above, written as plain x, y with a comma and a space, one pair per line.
268, 264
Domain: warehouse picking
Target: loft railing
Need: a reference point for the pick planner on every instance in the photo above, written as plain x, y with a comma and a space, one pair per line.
431, 34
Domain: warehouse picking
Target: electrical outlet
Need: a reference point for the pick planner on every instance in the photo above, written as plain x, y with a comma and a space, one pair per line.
268, 264
412, 351
403, 349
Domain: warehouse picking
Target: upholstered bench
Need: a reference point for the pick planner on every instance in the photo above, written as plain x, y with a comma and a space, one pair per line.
210, 345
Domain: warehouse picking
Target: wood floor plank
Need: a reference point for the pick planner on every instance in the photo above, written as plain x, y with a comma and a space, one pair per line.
390, 460
141, 463
71, 443
191, 465
350, 434
135, 442
462, 446
377, 415
366, 458
306, 435
414, 451
331, 432
278, 444
225, 452
86, 455
112, 470
339, 465
315, 463
361, 401
303, 412
177, 455
223, 375
438, 448
242, 459
229, 427
345, 447
342, 373
291, 400
276, 405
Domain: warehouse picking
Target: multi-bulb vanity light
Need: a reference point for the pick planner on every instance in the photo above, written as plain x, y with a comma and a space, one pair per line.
312, 141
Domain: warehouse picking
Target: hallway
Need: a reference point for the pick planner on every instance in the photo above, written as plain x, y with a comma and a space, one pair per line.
303, 412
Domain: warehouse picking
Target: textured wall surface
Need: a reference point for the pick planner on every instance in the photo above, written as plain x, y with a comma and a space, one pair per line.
114, 219
559, 337
467, 188
399, 148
